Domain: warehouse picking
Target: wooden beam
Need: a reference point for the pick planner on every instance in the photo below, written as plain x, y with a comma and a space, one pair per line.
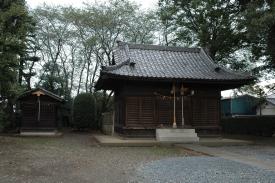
38, 93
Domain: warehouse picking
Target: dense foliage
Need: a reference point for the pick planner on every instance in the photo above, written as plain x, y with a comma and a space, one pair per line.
3, 120
15, 26
88, 109
260, 23
84, 111
213, 24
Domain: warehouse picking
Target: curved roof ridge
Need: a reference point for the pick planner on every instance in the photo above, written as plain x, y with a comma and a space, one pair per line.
117, 66
159, 47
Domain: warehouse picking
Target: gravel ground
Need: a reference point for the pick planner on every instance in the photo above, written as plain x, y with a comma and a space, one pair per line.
73, 158
201, 169
77, 158
260, 152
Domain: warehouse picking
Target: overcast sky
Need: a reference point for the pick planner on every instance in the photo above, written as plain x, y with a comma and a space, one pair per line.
78, 3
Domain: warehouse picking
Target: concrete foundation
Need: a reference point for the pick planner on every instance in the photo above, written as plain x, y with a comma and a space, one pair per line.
177, 135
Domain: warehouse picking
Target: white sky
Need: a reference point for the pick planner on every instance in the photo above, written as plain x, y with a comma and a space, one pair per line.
145, 4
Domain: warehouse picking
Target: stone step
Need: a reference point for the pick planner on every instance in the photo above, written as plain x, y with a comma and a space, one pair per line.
180, 140
177, 135
177, 130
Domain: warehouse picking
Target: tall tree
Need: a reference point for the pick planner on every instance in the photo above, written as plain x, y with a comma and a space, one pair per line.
212, 24
142, 28
260, 23
75, 43
28, 57
57, 49
14, 28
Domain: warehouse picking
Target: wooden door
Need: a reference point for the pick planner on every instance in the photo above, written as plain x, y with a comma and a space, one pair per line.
147, 111
187, 111
164, 112
132, 111
29, 114
47, 115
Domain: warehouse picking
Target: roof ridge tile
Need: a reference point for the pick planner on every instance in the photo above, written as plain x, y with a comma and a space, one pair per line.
159, 47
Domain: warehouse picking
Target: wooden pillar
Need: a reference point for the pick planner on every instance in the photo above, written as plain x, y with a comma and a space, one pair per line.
182, 101
38, 94
39, 108
174, 116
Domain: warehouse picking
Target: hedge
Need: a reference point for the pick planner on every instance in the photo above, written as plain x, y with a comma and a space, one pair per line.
84, 111
3, 120
249, 125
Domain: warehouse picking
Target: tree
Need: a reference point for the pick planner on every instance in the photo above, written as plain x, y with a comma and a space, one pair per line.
28, 58
259, 21
142, 28
58, 50
14, 28
167, 30
75, 43
215, 25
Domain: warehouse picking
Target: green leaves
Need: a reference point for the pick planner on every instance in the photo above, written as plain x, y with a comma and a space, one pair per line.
84, 111
15, 26
213, 24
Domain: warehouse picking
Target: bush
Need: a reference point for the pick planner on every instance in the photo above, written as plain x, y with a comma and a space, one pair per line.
249, 125
103, 104
3, 120
84, 111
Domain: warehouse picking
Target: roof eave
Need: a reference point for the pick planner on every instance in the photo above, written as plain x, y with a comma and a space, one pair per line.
48, 93
109, 76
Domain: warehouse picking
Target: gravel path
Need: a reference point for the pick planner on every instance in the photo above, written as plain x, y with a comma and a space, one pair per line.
73, 158
201, 169
260, 152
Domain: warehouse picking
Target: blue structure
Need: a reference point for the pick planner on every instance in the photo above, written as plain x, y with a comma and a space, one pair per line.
240, 105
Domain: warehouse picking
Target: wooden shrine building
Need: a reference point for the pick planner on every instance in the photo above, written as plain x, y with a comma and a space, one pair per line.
39, 109
159, 86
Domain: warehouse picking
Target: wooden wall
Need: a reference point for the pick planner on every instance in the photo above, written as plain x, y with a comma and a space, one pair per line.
29, 112
140, 107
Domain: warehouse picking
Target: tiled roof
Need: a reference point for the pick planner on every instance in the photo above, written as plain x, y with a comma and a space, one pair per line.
271, 100
271, 96
162, 62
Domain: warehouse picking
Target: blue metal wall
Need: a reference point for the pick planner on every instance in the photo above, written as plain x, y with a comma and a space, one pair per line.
242, 105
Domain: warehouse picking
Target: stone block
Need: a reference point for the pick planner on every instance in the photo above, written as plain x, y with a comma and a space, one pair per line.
177, 135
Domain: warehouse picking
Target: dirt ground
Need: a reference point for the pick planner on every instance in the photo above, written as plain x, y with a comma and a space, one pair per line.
74, 157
